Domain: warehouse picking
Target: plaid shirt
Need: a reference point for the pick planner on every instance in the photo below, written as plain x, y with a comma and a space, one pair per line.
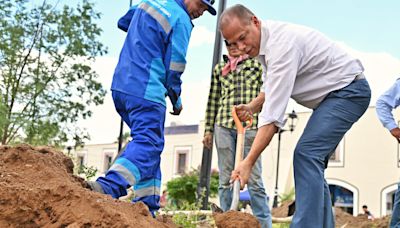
238, 87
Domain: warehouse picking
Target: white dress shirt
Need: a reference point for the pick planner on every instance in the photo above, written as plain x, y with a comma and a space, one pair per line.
300, 63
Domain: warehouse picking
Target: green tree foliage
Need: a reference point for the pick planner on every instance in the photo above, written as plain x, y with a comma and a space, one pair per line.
46, 80
182, 190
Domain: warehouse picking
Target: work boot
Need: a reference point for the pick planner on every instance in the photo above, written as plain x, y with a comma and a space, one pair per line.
94, 186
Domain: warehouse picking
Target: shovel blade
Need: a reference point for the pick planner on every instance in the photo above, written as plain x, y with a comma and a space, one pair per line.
235, 195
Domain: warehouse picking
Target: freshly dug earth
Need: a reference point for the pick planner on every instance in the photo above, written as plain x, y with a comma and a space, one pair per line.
342, 219
38, 189
281, 211
235, 219
346, 220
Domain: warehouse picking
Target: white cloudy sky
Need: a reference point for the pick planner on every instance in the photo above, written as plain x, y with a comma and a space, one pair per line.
380, 68
367, 29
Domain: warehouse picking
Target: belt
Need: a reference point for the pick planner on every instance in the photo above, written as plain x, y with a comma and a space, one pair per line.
359, 77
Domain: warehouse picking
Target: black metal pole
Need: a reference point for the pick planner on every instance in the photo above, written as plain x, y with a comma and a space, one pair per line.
203, 190
121, 127
121, 132
275, 204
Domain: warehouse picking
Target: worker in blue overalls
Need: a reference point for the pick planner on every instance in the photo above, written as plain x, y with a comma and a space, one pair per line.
149, 69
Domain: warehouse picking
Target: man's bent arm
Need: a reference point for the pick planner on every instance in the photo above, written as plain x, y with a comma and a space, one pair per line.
261, 141
257, 103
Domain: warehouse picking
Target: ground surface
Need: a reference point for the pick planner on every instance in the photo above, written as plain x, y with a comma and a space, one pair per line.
342, 218
38, 189
235, 219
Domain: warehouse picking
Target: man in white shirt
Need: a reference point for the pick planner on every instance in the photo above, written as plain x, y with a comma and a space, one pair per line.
302, 64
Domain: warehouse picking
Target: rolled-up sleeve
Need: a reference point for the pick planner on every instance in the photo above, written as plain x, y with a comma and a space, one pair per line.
282, 65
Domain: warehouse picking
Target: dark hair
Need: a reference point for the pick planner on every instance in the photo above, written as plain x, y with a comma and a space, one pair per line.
365, 206
239, 11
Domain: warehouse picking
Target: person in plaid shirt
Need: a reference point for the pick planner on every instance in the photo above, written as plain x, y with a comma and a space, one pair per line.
236, 80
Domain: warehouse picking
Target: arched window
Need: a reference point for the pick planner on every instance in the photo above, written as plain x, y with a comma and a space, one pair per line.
387, 199
343, 198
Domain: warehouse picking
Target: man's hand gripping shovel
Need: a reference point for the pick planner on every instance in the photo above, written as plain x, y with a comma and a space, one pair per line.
241, 131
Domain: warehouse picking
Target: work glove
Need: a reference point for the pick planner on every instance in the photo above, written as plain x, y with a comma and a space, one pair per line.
176, 111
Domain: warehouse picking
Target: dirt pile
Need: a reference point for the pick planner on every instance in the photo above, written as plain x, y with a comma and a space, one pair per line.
38, 189
283, 210
235, 219
346, 220
342, 219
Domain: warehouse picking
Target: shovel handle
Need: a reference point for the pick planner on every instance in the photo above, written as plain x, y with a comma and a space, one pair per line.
238, 123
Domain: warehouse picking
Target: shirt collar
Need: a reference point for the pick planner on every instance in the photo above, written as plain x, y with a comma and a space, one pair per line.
264, 38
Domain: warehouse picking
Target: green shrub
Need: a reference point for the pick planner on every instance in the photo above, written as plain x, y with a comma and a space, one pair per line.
182, 191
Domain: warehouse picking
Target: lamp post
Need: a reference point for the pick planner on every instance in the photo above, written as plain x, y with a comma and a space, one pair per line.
203, 190
293, 121
69, 148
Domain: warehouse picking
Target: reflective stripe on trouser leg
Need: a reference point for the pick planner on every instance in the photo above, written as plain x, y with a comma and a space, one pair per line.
325, 128
140, 162
148, 191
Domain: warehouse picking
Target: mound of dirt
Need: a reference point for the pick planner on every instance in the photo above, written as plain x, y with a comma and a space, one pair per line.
283, 210
235, 219
346, 220
342, 218
38, 189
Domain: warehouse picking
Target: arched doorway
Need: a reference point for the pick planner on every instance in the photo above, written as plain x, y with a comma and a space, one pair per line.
344, 195
387, 199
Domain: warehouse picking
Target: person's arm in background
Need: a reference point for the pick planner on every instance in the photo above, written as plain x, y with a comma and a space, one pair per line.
178, 48
212, 106
384, 107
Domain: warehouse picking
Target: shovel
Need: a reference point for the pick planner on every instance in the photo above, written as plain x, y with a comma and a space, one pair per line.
241, 131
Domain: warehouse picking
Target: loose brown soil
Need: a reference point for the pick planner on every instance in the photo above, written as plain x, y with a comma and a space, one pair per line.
360, 221
342, 219
235, 219
38, 189
281, 211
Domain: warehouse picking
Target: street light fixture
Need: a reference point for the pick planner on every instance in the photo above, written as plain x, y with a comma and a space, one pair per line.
69, 148
293, 121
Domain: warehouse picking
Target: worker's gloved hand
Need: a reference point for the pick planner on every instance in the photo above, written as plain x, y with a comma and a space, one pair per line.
176, 111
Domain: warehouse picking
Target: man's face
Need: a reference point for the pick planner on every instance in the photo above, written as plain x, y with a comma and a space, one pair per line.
243, 36
195, 8
234, 51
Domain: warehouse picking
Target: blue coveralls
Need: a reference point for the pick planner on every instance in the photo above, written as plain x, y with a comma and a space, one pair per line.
149, 69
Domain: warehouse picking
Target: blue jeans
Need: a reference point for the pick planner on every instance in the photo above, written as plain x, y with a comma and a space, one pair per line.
323, 132
395, 221
225, 140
